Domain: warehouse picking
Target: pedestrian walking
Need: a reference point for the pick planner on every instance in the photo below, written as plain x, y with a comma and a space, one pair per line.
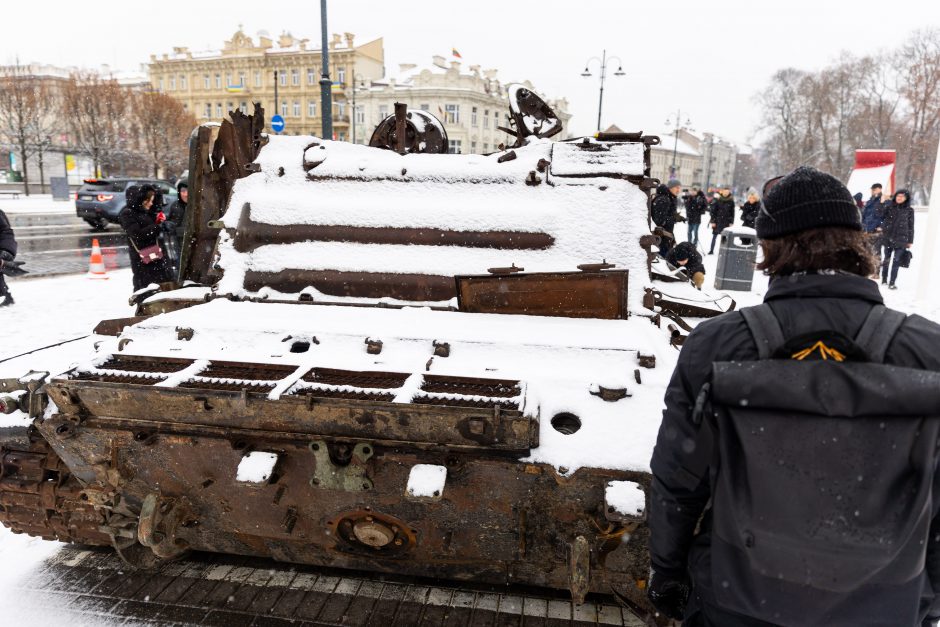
795, 463
897, 236
722, 215
141, 222
685, 256
695, 207
872, 217
750, 209
7, 256
174, 226
664, 213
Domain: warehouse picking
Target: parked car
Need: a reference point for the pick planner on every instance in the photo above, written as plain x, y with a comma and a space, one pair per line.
99, 201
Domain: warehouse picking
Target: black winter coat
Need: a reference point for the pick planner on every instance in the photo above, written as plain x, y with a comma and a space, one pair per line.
664, 208
722, 214
695, 208
749, 213
803, 304
142, 231
685, 250
7, 241
175, 219
898, 224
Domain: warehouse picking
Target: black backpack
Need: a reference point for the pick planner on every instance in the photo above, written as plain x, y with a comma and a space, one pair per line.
821, 461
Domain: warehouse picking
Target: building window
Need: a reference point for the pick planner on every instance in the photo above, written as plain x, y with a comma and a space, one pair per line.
218, 81
311, 76
383, 112
360, 114
486, 148
295, 77
205, 81
243, 107
495, 119
341, 75
486, 118
473, 148
172, 83
241, 79
340, 109
425, 107
452, 114
258, 82
312, 108
283, 107
182, 82
473, 116
454, 147
282, 78
208, 110
160, 84
228, 80
218, 109
296, 109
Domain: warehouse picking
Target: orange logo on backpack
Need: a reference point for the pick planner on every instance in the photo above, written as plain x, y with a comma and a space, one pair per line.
824, 352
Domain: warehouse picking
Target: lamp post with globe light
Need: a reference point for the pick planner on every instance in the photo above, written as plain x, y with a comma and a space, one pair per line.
677, 126
603, 63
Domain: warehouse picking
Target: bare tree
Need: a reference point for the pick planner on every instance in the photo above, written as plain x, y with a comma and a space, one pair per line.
94, 108
163, 127
918, 62
46, 123
20, 104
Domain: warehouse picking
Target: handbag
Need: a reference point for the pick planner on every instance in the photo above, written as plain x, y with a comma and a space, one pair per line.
148, 254
905, 260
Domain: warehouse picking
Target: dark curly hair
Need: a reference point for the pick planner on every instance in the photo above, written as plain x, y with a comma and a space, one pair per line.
812, 250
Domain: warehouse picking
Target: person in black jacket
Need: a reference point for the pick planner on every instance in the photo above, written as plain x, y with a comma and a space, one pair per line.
750, 209
827, 289
897, 235
685, 256
722, 215
7, 254
663, 211
174, 225
695, 207
141, 221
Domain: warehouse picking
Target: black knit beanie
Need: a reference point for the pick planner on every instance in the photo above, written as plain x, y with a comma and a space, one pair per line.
806, 199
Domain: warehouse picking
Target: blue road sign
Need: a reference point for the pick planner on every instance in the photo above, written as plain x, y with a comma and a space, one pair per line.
277, 123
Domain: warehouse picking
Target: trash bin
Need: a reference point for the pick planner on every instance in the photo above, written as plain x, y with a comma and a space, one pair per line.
737, 255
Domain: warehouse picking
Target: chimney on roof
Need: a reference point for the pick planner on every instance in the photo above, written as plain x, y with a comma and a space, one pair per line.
349, 39
335, 41
475, 70
404, 67
455, 65
265, 42
439, 61
303, 44
285, 40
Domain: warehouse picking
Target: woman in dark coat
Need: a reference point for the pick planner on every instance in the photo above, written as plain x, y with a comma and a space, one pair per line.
142, 226
750, 209
897, 235
722, 213
7, 254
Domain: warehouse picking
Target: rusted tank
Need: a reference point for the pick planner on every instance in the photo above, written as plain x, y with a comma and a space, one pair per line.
379, 358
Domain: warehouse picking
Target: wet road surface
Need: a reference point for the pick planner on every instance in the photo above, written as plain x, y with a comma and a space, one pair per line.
51, 244
207, 589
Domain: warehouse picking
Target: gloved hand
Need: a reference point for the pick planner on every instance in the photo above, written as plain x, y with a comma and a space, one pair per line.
669, 595
680, 217
6, 255
169, 226
160, 217
11, 268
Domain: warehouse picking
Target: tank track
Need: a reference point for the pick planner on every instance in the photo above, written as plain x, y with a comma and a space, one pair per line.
40, 497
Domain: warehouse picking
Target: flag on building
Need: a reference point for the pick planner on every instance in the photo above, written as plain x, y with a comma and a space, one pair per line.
454, 52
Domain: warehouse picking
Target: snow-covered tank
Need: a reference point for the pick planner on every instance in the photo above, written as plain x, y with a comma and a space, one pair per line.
382, 359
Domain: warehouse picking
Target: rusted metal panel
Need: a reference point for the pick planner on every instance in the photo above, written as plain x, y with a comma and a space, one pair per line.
497, 520
411, 287
569, 294
250, 235
311, 413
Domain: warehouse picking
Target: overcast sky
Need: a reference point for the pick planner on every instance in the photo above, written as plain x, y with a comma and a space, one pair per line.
705, 57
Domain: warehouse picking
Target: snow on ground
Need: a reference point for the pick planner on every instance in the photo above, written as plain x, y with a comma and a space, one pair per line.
35, 203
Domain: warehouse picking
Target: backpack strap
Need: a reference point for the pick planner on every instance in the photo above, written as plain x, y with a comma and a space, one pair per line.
765, 329
695, 465
878, 331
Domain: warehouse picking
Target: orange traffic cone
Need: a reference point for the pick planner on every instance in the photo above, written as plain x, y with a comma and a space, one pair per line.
96, 269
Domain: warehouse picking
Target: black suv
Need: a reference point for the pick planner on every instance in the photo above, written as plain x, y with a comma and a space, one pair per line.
100, 201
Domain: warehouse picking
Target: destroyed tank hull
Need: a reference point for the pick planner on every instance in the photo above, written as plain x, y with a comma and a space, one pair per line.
381, 388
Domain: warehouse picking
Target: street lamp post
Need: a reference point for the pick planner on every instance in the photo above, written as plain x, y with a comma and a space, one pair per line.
355, 82
603, 63
326, 99
677, 126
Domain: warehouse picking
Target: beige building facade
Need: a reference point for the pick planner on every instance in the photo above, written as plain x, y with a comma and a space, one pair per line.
210, 84
705, 161
471, 103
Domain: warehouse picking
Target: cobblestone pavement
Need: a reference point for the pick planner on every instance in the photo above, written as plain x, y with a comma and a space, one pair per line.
88, 584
